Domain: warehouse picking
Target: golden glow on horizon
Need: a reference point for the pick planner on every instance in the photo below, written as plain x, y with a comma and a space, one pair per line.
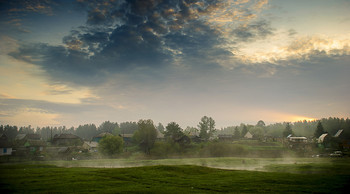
299, 48
34, 117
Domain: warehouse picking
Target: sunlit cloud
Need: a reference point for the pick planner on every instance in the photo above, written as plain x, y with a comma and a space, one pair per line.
29, 116
300, 48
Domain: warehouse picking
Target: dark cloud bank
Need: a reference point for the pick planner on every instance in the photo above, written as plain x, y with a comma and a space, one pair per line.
141, 37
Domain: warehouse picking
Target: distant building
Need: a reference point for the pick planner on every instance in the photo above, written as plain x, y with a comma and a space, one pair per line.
127, 138
297, 139
183, 140
298, 143
98, 137
248, 135
225, 137
67, 140
91, 146
21, 139
35, 146
5, 145
160, 136
342, 140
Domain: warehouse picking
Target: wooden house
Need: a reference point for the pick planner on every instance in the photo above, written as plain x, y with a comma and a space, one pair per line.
91, 146
5, 146
67, 140
225, 137
98, 137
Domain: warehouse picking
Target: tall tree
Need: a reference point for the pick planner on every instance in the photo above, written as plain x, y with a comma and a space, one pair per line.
244, 131
146, 135
236, 133
206, 127
160, 127
87, 131
287, 131
128, 127
173, 131
260, 123
319, 130
109, 127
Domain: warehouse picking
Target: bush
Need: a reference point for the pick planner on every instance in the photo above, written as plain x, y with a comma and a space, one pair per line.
110, 145
222, 149
165, 149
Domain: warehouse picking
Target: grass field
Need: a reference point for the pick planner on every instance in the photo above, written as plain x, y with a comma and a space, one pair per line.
179, 176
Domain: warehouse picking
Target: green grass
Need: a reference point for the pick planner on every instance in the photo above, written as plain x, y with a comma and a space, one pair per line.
306, 175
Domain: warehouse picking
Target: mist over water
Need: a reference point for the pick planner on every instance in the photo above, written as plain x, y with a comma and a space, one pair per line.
228, 163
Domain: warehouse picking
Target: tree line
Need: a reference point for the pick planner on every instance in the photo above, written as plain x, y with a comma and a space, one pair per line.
301, 128
205, 129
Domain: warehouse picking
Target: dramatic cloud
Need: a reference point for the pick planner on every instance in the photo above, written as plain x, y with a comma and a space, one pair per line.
235, 60
147, 35
302, 48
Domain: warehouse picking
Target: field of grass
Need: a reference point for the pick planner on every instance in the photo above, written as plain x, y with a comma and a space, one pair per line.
179, 176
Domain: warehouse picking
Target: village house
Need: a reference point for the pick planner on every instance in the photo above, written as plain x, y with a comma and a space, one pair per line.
98, 137
67, 140
5, 146
91, 146
35, 146
21, 139
225, 137
26, 144
127, 138
342, 140
324, 141
298, 143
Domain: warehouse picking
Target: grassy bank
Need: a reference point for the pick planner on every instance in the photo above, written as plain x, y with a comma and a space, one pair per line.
331, 176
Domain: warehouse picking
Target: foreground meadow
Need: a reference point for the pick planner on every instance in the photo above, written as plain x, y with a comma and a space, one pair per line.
170, 176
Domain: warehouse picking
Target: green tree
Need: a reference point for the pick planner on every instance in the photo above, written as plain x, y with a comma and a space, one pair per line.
260, 123
319, 130
191, 131
236, 133
109, 127
146, 135
128, 127
173, 131
244, 131
287, 131
206, 127
160, 127
110, 145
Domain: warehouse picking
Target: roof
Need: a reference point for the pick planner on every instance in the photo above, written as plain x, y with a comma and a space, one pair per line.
33, 136
63, 150
248, 135
304, 138
160, 135
321, 138
91, 144
20, 136
28, 136
3, 136
339, 132
5, 144
66, 136
36, 143
126, 135
103, 134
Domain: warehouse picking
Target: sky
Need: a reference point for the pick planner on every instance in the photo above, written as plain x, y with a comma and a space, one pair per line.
88, 61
